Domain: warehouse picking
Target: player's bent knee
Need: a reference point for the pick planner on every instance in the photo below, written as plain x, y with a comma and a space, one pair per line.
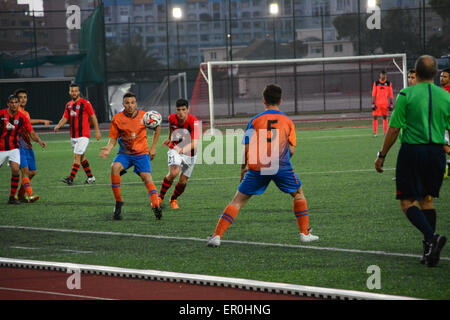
408, 203
427, 203
116, 168
146, 177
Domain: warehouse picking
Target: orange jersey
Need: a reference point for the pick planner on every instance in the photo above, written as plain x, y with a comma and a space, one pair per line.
268, 136
130, 132
382, 91
25, 137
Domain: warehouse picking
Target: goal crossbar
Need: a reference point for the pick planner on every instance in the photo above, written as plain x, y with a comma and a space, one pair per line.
209, 79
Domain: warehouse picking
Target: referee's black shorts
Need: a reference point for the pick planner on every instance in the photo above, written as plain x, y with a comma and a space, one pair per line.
420, 171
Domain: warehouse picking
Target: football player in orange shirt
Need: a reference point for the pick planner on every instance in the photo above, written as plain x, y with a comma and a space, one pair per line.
27, 156
270, 142
128, 129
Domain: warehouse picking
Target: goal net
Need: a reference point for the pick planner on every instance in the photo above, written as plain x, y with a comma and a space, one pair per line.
226, 89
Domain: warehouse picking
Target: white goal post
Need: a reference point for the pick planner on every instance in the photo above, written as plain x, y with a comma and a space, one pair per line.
271, 66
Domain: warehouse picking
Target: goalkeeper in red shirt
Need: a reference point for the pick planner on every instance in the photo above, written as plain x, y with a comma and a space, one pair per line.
382, 98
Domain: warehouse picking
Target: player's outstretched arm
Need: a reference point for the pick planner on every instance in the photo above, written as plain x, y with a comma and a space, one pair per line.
94, 121
244, 168
389, 140
291, 149
152, 149
167, 141
106, 150
61, 122
41, 121
36, 138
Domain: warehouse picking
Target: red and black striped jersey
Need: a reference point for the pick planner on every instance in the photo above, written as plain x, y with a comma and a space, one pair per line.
189, 128
78, 113
10, 128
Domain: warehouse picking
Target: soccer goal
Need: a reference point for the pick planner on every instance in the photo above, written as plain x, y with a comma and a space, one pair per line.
225, 89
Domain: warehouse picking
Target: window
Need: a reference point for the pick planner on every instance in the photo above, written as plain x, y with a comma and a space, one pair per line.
338, 48
257, 24
204, 37
213, 55
192, 27
123, 11
316, 49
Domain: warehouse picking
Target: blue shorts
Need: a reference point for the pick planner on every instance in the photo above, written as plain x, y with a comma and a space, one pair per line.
27, 159
140, 162
254, 183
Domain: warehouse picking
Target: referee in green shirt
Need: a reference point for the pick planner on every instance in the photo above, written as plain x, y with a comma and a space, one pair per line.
420, 117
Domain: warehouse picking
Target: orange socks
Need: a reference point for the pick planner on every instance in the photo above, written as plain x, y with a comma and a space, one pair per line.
225, 220
302, 215
26, 184
385, 125
153, 194
375, 126
115, 184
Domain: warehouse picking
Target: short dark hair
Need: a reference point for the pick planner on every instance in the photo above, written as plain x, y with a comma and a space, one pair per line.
12, 96
411, 71
446, 70
182, 103
21, 90
73, 84
272, 94
128, 95
383, 71
426, 67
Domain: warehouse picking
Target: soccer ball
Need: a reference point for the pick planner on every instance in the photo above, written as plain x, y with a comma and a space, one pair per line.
152, 119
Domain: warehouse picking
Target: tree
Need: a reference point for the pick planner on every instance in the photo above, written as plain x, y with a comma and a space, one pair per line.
442, 8
132, 61
397, 34
439, 44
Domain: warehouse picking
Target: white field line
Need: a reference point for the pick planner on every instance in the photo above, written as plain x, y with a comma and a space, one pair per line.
263, 244
54, 293
206, 179
63, 250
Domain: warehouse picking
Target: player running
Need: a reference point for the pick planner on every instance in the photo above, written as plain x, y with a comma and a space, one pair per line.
270, 142
382, 97
128, 129
79, 113
27, 156
12, 121
182, 142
